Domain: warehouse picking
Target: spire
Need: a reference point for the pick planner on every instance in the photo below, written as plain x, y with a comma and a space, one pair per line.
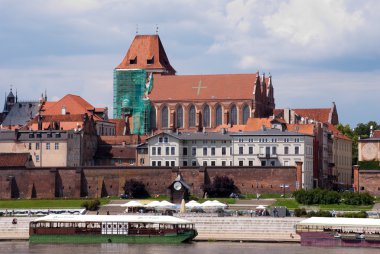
45, 95
16, 95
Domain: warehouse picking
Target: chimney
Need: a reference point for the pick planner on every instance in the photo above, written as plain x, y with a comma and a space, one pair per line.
39, 122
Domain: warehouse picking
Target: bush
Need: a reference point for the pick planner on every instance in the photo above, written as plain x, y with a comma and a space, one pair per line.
135, 189
356, 198
319, 213
317, 196
300, 212
361, 214
91, 205
221, 187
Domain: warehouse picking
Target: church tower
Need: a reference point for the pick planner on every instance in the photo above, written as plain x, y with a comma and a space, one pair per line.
10, 100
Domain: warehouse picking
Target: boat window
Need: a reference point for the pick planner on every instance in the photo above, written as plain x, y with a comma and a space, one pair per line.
109, 226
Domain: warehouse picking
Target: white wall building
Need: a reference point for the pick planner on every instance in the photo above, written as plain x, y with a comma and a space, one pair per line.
269, 147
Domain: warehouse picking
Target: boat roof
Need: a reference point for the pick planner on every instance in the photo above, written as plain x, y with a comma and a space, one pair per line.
344, 222
112, 218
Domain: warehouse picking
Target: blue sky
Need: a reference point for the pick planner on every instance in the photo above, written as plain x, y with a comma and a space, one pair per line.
317, 51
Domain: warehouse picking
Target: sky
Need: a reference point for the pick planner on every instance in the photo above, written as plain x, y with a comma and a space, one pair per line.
317, 51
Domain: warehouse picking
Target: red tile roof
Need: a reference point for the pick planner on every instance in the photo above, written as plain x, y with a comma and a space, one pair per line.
14, 159
376, 133
66, 122
336, 132
203, 87
146, 48
301, 128
256, 124
74, 104
317, 114
233, 128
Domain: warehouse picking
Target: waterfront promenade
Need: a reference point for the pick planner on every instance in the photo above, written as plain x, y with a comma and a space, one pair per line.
260, 229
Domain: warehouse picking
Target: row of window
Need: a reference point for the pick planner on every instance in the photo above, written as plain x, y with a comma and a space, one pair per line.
37, 146
168, 150
213, 163
48, 135
205, 116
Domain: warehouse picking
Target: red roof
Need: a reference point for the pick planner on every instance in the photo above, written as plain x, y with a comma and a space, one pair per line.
203, 87
256, 124
74, 105
14, 159
317, 114
337, 133
376, 133
146, 52
301, 128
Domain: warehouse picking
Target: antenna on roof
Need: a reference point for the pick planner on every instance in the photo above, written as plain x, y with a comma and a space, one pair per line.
137, 28
156, 29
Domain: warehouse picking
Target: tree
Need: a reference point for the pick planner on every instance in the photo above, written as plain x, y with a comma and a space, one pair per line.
221, 187
135, 189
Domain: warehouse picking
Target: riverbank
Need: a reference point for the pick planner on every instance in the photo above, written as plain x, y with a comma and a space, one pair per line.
246, 229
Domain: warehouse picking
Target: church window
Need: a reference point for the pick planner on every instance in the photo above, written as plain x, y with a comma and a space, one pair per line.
165, 117
233, 114
192, 116
179, 117
153, 117
218, 115
245, 114
206, 116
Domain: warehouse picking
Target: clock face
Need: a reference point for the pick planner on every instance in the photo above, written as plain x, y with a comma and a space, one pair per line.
369, 151
177, 186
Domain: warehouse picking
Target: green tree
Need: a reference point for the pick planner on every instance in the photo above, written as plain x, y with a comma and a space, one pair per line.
221, 187
135, 189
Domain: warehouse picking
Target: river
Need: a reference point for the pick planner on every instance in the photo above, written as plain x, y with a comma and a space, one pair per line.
192, 248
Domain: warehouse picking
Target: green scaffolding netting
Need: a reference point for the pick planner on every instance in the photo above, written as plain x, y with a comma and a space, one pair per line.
130, 89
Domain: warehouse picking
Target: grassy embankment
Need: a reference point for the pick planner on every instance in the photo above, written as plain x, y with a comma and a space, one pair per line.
45, 203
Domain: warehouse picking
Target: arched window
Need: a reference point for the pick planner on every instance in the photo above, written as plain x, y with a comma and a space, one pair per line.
179, 117
245, 114
218, 115
164, 117
153, 124
206, 116
233, 115
192, 116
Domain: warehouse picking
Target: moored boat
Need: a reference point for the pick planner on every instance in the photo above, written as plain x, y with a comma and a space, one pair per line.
110, 229
344, 232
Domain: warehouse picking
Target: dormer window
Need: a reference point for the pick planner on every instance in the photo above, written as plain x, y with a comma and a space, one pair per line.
133, 61
150, 61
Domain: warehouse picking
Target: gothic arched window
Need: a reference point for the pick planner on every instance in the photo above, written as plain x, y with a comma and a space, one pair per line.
164, 117
245, 114
233, 115
179, 117
206, 116
192, 116
218, 115
153, 124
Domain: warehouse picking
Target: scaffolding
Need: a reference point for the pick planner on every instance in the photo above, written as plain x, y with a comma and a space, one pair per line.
130, 90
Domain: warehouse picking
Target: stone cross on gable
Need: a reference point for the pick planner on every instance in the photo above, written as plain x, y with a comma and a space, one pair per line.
199, 87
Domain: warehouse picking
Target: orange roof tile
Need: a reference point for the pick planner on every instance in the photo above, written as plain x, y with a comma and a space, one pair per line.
255, 124
146, 48
234, 128
301, 128
336, 132
203, 87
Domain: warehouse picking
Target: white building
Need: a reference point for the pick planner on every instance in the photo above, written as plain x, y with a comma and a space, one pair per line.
268, 147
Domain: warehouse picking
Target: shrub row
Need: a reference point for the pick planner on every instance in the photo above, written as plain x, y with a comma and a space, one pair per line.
91, 205
319, 196
301, 212
361, 214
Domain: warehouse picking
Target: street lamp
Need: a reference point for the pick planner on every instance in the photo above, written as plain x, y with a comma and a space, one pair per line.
284, 186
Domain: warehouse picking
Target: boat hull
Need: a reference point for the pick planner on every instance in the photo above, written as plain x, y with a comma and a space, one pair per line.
327, 239
134, 239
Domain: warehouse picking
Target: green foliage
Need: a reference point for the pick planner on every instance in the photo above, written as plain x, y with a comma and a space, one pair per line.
135, 189
360, 214
300, 212
319, 213
369, 164
317, 196
287, 202
221, 187
45, 203
91, 205
356, 198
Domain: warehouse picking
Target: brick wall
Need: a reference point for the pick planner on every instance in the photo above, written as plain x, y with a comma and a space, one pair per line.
367, 181
109, 181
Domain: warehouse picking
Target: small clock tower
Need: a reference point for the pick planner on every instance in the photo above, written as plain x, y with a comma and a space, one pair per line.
179, 190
